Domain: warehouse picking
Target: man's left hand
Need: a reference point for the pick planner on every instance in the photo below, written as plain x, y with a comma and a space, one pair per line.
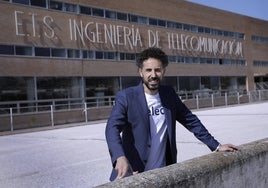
227, 147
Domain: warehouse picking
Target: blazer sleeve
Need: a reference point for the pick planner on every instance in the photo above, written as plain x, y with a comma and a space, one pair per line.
194, 125
115, 124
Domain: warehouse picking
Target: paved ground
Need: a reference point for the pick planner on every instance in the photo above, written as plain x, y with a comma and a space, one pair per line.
77, 156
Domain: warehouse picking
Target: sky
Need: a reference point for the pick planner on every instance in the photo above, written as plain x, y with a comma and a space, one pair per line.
252, 8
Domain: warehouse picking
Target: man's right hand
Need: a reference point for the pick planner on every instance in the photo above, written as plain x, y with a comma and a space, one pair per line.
123, 168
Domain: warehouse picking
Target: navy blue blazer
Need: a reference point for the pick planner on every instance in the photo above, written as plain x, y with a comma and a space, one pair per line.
128, 127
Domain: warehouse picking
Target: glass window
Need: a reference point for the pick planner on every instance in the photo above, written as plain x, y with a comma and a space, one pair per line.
152, 21
189, 60
55, 5
207, 30
209, 61
122, 16
142, 19
171, 24
23, 50
203, 60
110, 14
243, 62
58, 52
258, 38
25, 2
7, 49
161, 23
97, 12
13, 88
138, 19
236, 35
241, 81
256, 63
172, 58
180, 59
220, 32
85, 54
220, 61
226, 33
39, 3
72, 53
91, 54
227, 61
70, 7
170, 81
214, 32
225, 83
42, 51
85, 10
122, 56
186, 27
262, 63
109, 55
189, 83
130, 81
88, 54
133, 18
194, 28
130, 56
253, 38
57, 88
127, 56
215, 61
212, 83
196, 60
101, 86
231, 34
99, 55
178, 25
200, 29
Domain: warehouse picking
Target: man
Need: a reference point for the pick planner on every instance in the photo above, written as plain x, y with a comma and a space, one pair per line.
140, 132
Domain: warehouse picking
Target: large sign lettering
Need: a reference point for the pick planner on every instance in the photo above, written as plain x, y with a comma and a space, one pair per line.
89, 32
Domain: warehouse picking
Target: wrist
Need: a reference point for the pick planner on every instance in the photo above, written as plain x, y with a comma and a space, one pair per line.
218, 148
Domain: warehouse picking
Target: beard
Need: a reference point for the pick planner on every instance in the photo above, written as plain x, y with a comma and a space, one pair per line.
152, 84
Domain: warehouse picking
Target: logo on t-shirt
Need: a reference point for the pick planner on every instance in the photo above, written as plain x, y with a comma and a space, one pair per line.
156, 111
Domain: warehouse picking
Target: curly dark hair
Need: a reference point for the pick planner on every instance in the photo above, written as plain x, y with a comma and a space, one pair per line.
152, 52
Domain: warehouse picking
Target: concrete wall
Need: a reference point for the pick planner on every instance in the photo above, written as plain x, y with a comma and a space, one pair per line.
247, 167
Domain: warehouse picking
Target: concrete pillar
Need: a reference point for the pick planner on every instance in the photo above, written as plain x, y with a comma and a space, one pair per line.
31, 93
82, 87
116, 85
250, 84
75, 87
31, 88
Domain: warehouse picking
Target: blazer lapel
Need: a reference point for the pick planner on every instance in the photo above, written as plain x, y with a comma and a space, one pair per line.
165, 100
142, 105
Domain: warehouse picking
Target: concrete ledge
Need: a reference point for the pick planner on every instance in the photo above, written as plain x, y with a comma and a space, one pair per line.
247, 167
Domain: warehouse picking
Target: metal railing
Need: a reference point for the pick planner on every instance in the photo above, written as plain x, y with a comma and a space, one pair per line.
51, 107
207, 93
35, 106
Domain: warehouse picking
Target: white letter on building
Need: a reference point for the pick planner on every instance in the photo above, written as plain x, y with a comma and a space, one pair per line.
17, 23
153, 38
47, 20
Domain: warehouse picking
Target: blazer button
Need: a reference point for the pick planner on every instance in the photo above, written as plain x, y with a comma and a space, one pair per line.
149, 145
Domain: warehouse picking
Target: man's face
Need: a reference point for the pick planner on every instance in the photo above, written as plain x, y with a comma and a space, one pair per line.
152, 73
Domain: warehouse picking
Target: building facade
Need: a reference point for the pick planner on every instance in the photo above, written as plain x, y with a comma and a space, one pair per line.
53, 49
